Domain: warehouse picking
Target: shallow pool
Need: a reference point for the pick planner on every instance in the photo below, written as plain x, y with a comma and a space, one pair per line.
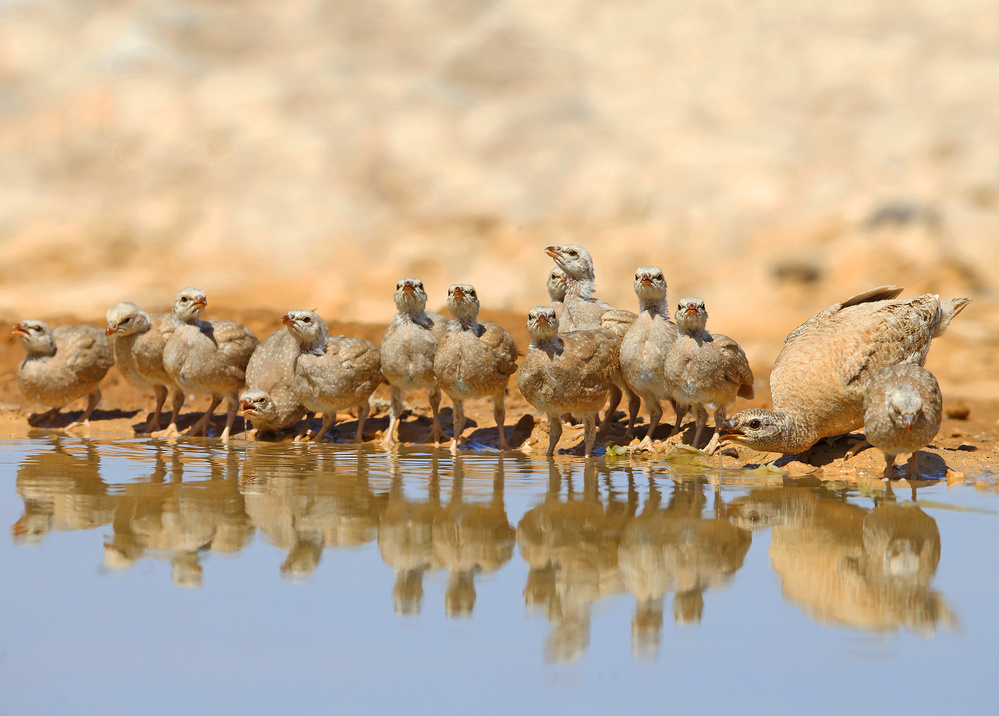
147, 576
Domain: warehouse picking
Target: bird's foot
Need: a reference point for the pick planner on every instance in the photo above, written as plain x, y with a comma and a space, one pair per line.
454, 447
85, 424
170, 431
712, 445
644, 446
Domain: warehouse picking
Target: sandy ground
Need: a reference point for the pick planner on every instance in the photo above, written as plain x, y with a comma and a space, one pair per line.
965, 360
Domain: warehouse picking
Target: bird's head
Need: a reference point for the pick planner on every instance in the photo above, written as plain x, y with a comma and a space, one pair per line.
650, 284
36, 336
556, 284
306, 326
125, 319
573, 259
189, 304
904, 405
256, 404
410, 295
691, 315
462, 301
756, 428
542, 323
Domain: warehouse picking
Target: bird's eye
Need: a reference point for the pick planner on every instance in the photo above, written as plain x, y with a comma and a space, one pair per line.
306, 319
572, 252
184, 299
659, 277
471, 293
755, 424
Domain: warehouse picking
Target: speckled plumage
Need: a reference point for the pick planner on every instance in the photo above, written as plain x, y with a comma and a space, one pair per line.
902, 412
138, 342
207, 357
61, 365
704, 370
821, 376
566, 373
268, 401
332, 372
556, 289
474, 359
646, 344
407, 352
580, 310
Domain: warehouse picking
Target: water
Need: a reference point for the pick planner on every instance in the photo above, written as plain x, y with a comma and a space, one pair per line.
161, 577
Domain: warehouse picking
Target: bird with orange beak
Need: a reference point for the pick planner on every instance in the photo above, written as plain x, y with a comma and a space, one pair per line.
61, 365
474, 359
407, 353
902, 413
207, 357
268, 401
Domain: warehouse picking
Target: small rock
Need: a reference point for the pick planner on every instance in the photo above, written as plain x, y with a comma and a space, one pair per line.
958, 410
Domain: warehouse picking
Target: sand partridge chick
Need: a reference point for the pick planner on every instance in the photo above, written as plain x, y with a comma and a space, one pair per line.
556, 289
62, 364
820, 378
646, 344
581, 310
332, 372
207, 357
474, 359
566, 373
138, 339
704, 370
902, 412
268, 401
407, 352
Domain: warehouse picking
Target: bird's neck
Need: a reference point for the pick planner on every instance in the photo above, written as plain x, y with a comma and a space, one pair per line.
582, 287
552, 345
697, 334
467, 323
795, 435
655, 306
415, 315
314, 346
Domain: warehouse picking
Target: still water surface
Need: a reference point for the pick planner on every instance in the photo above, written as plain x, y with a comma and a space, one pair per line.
147, 576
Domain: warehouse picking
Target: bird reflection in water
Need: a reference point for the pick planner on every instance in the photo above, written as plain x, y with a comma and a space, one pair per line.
844, 565
677, 549
308, 499
165, 517
571, 546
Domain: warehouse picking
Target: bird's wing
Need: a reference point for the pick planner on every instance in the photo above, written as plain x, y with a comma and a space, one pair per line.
503, 346
881, 293
86, 351
737, 370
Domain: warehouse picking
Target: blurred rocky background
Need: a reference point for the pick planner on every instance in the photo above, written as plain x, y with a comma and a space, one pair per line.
771, 156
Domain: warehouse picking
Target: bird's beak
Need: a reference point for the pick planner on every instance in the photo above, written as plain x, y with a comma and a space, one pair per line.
552, 251
287, 320
408, 288
542, 320
201, 302
646, 280
112, 328
908, 421
691, 310
18, 330
458, 293
245, 406
730, 432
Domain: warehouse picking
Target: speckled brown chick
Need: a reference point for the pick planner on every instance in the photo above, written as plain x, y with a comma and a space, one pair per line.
646, 344
207, 357
61, 365
821, 376
902, 412
704, 370
556, 289
474, 359
268, 401
332, 372
138, 339
581, 310
566, 373
407, 352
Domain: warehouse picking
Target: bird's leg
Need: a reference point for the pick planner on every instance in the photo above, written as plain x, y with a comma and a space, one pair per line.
395, 410
613, 398
154, 421
303, 432
681, 413
362, 414
36, 420
329, 418
178, 403
634, 405
230, 417
655, 415
913, 471
589, 434
889, 463
852, 452
499, 414
554, 433
459, 425
702, 420
202, 425
435, 406
93, 400
713, 442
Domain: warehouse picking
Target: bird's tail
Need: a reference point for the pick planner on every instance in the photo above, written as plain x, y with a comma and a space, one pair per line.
949, 309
